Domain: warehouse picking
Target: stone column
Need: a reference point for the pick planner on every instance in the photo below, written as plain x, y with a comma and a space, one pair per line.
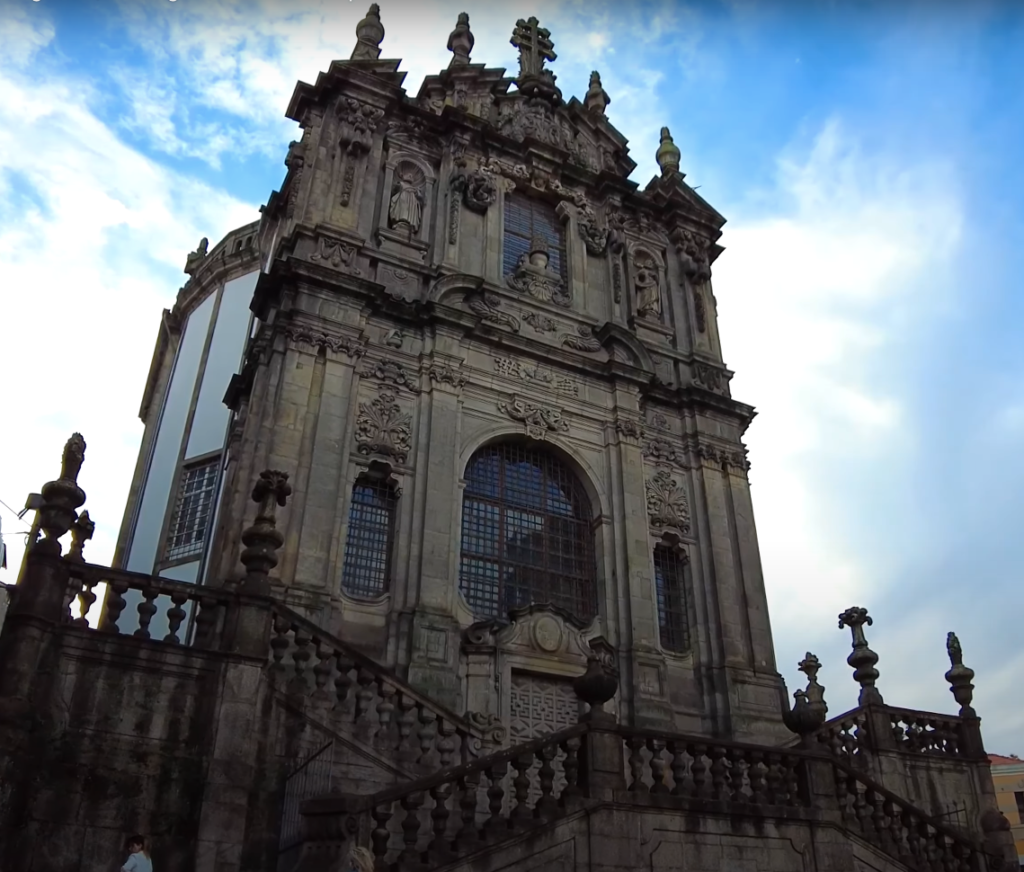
432, 579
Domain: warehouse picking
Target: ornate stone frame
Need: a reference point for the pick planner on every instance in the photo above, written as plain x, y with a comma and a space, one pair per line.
633, 248
420, 241
674, 542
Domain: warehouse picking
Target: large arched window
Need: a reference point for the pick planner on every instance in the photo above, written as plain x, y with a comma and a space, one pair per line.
366, 571
527, 534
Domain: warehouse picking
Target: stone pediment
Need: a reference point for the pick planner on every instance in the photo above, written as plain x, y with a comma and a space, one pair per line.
539, 630
672, 193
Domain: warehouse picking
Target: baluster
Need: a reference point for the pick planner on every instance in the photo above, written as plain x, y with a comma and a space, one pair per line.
496, 825
364, 701
842, 790
342, 681
914, 845
380, 835
678, 767
718, 773
86, 598
878, 819
385, 710
115, 605
426, 733
860, 807
279, 645
961, 861
406, 721
896, 835
792, 777
175, 615
735, 761
322, 670
468, 837
411, 804
698, 769
658, 765
772, 778
546, 805
300, 657
146, 610
71, 594
206, 623
446, 742
756, 772
438, 849
636, 763
571, 770
521, 787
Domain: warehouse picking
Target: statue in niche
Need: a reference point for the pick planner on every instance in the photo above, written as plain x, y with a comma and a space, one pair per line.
648, 287
405, 211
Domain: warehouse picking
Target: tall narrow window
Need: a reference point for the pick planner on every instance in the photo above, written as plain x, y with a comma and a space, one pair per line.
670, 586
366, 571
193, 510
526, 218
526, 534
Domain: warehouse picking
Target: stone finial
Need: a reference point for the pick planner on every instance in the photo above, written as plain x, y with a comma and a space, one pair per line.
597, 98
535, 47
595, 686
196, 257
61, 498
369, 35
81, 532
809, 666
263, 539
960, 677
809, 709
668, 154
461, 41
862, 658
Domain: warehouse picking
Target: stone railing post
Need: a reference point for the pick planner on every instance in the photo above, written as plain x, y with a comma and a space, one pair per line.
602, 767
251, 632
38, 603
863, 661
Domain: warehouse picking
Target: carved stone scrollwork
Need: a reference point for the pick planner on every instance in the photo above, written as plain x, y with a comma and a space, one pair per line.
487, 308
382, 428
582, 340
595, 238
700, 310
491, 725
357, 121
630, 428
317, 339
540, 323
337, 254
444, 374
693, 255
667, 504
479, 192
663, 451
711, 377
393, 372
533, 276
539, 420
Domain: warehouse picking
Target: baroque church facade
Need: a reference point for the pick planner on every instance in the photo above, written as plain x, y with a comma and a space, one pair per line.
463, 571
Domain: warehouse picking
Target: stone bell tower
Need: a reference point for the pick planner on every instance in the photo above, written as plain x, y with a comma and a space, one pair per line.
490, 366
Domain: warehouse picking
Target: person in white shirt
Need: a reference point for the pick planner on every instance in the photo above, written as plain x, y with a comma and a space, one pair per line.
138, 856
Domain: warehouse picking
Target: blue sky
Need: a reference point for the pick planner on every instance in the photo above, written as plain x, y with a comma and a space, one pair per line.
867, 159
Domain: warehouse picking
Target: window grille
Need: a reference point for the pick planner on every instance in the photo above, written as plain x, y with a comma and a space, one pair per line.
670, 585
371, 526
526, 218
526, 534
193, 510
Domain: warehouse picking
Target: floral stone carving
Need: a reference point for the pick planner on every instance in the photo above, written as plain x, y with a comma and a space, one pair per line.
338, 254
383, 428
667, 504
582, 340
533, 276
539, 420
392, 371
479, 192
488, 309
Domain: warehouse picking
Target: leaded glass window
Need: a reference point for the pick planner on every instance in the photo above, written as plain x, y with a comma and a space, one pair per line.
527, 534
193, 510
525, 218
366, 571
670, 586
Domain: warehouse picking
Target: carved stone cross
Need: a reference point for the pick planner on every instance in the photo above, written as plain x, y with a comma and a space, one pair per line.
534, 44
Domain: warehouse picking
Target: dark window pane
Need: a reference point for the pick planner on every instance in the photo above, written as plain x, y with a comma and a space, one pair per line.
527, 514
670, 586
193, 511
371, 522
526, 217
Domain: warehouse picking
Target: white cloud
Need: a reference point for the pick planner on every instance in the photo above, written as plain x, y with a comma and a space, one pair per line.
88, 257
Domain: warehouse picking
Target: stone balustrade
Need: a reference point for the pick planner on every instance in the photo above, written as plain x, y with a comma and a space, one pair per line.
357, 695
844, 736
693, 768
926, 733
849, 736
